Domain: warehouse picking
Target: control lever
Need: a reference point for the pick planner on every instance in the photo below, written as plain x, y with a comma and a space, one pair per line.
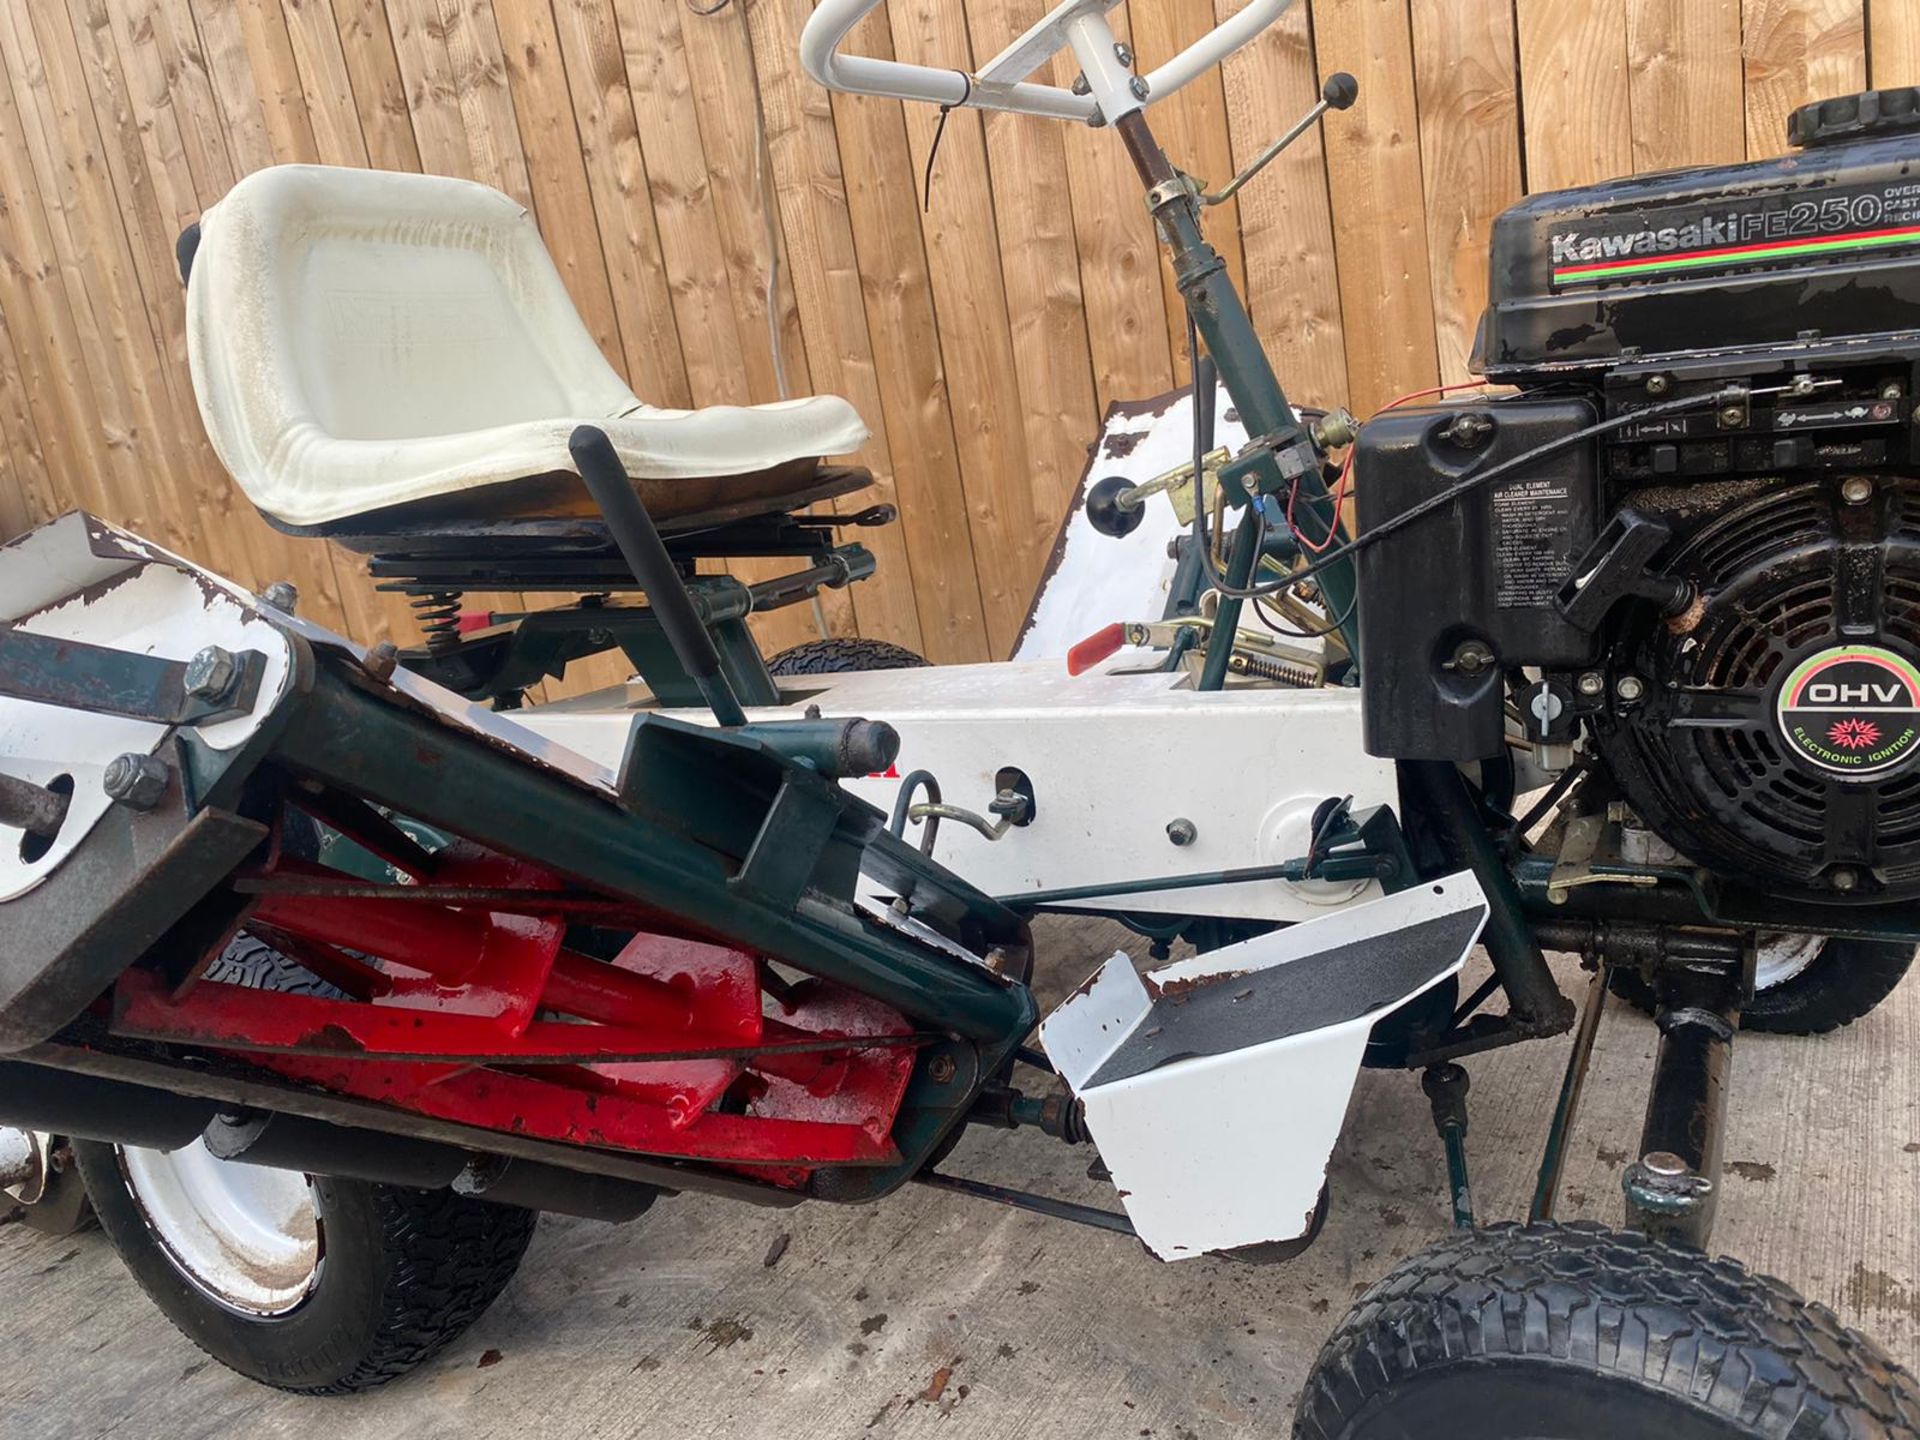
1339, 93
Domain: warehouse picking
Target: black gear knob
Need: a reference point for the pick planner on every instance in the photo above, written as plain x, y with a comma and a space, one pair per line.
1340, 91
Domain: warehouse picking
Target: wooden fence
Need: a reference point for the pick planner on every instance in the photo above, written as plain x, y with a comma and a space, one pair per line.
981, 336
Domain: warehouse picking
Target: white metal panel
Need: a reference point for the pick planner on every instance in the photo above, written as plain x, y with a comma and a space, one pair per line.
1113, 758
1219, 1151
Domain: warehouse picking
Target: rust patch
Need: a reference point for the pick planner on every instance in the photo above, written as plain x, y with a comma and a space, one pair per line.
937, 1385
490, 1359
1121, 444
1175, 989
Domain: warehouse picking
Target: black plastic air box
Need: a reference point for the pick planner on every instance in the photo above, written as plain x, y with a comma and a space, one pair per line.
1457, 596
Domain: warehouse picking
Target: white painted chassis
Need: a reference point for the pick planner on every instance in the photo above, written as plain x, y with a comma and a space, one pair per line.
1115, 755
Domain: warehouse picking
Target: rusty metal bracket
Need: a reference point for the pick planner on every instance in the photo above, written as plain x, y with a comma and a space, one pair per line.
48, 670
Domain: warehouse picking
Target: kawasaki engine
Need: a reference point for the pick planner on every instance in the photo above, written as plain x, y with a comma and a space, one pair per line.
1717, 605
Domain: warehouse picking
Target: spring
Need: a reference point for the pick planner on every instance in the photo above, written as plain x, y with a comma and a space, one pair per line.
1277, 671
438, 614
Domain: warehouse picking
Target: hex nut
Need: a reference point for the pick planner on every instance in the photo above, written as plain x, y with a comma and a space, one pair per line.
281, 595
136, 781
210, 674
382, 660
1182, 831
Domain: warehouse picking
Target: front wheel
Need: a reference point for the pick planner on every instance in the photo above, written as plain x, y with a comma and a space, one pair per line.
312, 1284
1550, 1332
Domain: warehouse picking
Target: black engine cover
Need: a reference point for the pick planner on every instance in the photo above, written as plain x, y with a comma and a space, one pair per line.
1780, 736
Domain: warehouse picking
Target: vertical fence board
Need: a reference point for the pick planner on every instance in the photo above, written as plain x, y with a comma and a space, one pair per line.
1470, 157
1796, 51
1893, 33
1039, 262
1686, 83
1379, 223
1573, 86
1286, 216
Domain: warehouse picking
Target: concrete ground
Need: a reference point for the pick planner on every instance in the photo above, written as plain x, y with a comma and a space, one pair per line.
935, 1315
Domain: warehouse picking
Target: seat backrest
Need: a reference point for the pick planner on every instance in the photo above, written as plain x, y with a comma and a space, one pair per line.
362, 305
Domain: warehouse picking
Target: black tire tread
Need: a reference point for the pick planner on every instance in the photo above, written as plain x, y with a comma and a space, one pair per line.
1615, 1304
449, 1258
842, 655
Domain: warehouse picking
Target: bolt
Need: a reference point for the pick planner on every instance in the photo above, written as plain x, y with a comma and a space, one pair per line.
1891, 390
1473, 657
1858, 490
1665, 1164
1139, 87
1468, 430
1630, 688
1733, 415
381, 661
1591, 684
1122, 53
941, 1069
210, 674
1182, 831
136, 781
1659, 384
282, 595
1080, 85
1844, 879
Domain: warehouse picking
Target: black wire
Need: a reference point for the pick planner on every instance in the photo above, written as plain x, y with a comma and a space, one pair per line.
940, 130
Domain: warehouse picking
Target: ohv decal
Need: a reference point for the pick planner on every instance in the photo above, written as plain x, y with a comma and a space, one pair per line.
1852, 711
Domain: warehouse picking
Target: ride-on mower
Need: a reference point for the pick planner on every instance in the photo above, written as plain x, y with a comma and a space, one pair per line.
337, 964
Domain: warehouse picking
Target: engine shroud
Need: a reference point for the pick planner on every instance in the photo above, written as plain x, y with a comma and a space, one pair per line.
1780, 740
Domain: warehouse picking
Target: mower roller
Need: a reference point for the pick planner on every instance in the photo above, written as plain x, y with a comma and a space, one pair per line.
309, 947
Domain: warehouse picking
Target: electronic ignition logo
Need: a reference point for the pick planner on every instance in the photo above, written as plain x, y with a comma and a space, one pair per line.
1853, 711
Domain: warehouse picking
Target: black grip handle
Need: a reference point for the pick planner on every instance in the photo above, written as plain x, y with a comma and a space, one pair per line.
641, 547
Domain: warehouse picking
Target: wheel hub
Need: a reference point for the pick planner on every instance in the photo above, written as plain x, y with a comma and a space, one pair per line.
246, 1235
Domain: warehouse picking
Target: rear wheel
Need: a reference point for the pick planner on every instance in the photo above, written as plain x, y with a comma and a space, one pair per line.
843, 655
1579, 1333
1805, 984
308, 1283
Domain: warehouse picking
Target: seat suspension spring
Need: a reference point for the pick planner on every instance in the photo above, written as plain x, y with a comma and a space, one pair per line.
438, 614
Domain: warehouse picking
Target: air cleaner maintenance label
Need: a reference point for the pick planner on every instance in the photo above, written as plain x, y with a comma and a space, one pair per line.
1852, 711
1788, 228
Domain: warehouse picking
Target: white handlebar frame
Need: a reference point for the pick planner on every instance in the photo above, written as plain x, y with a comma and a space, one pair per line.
1002, 84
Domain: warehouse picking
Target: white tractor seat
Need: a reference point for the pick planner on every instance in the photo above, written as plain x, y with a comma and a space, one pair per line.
362, 340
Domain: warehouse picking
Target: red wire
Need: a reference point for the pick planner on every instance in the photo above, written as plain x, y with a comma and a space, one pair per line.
1346, 468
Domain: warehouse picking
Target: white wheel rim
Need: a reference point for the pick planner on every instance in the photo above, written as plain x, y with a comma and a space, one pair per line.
246, 1235
1782, 957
